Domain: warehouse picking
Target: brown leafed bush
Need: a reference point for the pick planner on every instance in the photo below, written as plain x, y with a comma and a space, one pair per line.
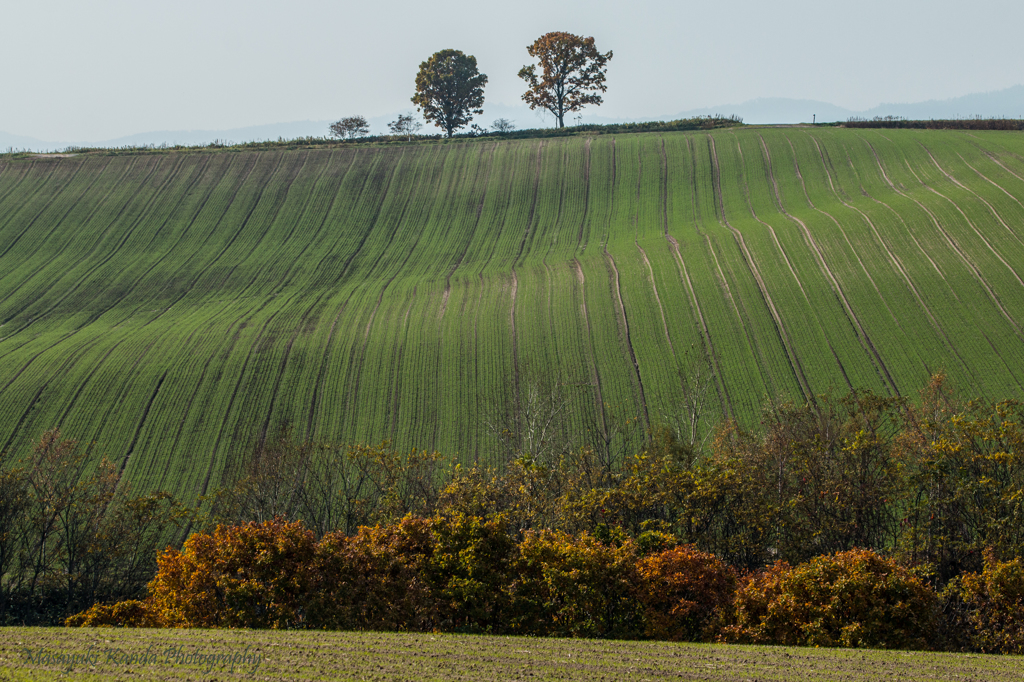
851, 599
985, 611
683, 591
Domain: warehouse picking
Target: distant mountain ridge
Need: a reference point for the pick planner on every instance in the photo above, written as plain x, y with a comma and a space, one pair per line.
1007, 103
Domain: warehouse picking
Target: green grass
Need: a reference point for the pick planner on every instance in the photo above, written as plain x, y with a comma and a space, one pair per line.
382, 656
173, 307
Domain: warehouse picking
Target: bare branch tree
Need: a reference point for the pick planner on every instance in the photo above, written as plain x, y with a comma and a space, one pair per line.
350, 127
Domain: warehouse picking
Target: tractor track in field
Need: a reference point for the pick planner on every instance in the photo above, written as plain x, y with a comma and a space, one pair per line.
185, 290
256, 342
854, 321
896, 261
990, 181
580, 245
937, 269
354, 392
625, 336
724, 399
613, 274
303, 320
29, 302
982, 199
515, 279
28, 200
476, 226
952, 244
126, 236
748, 258
796, 278
870, 349
26, 171
57, 222
371, 223
63, 368
142, 422
594, 373
654, 287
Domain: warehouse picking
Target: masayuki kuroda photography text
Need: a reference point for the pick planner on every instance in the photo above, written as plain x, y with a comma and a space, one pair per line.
245, 660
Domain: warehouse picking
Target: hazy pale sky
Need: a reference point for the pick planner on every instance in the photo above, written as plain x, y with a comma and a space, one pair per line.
99, 69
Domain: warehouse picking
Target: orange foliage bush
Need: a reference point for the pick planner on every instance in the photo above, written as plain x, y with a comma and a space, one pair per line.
683, 590
256, 575
851, 599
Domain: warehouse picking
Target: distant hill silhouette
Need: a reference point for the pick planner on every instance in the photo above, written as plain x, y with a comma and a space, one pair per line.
1008, 103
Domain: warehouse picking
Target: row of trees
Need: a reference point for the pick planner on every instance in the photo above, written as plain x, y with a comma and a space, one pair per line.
450, 87
933, 486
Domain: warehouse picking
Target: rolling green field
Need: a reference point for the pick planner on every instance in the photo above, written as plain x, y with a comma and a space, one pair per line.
32, 654
174, 307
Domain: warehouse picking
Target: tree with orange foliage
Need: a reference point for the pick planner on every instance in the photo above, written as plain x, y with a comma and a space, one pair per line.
573, 72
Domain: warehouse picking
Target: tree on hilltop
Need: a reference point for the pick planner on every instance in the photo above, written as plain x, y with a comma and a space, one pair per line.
405, 125
350, 127
450, 89
573, 72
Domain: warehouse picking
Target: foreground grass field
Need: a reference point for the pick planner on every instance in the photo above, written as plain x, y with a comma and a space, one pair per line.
173, 308
378, 656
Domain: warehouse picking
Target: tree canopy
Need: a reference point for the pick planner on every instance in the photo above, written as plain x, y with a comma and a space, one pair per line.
450, 89
573, 72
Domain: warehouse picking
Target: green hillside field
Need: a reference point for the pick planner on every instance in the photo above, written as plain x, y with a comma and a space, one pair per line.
174, 307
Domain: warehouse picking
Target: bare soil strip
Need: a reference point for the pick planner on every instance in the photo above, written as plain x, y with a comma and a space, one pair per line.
92, 655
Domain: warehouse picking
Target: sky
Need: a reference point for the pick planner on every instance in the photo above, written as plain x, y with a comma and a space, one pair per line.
100, 69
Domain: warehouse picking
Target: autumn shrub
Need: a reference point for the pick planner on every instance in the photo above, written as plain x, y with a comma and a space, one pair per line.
684, 591
851, 599
376, 579
256, 575
575, 587
131, 613
469, 570
985, 611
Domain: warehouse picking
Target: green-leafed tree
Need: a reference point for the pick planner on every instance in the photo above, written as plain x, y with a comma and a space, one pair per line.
450, 89
573, 73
